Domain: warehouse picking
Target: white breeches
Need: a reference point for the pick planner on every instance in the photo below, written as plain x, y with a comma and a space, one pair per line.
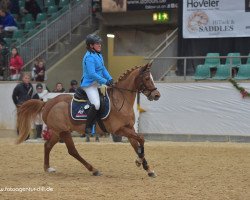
93, 95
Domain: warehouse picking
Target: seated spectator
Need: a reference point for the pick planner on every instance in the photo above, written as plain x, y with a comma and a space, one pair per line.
7, 21
32, 7
74, 85
59, 88
38, 71
3, 61
15, 64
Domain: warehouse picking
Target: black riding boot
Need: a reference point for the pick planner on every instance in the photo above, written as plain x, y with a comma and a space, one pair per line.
91, 118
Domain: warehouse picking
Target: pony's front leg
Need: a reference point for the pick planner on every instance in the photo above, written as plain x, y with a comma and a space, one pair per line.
137, 142
67, 138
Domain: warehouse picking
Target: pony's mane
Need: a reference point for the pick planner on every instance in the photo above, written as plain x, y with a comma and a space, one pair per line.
126, 73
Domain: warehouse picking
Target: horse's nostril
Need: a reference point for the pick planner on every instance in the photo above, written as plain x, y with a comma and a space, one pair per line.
156, 97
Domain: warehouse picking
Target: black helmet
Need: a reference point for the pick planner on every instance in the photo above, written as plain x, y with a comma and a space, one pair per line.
73, 82
92, 39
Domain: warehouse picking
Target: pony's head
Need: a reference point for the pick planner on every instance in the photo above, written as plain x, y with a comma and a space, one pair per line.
146, 83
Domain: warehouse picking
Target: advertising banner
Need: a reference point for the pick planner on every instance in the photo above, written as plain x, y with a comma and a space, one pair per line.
133, 5
216, 18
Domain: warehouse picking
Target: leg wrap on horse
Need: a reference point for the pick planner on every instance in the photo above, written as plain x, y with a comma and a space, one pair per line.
140, 151
145, 164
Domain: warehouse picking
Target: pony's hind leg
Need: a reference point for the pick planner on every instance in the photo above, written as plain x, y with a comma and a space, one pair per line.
138, 145
66, 136
48, 145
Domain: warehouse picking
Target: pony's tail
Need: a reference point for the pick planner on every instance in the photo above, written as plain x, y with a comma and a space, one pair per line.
26, 114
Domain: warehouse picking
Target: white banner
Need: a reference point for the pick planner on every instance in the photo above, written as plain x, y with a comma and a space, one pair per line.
211, 108
216, 18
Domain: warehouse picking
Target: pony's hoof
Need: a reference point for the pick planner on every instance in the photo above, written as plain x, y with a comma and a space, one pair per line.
50, 170
152, 174
97, 173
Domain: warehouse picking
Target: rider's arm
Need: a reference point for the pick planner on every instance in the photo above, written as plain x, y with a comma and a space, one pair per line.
90, 70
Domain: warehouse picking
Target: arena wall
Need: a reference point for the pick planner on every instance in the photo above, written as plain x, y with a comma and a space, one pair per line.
184, 109
197, 108
8, 109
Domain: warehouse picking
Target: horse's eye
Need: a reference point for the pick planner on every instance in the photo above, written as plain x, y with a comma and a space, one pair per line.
147, 78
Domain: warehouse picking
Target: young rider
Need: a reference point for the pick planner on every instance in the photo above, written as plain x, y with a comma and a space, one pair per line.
94, 74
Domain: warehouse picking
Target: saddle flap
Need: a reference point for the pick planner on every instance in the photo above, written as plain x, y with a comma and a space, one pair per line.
79, 108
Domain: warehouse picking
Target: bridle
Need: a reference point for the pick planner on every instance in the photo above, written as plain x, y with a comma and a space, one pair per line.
142, 89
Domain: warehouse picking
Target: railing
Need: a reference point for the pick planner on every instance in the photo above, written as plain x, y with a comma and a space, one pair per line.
168, 47
54, 30
192, 58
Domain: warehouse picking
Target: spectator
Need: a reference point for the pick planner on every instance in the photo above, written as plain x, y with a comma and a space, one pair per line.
38, 72
3, 61
23, 91
5, 5
59, 88
38, 121
14, 7
7, 21
32, 7
74, 85
15, 64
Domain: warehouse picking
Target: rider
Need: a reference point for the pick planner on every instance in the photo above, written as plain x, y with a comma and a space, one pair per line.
94, 74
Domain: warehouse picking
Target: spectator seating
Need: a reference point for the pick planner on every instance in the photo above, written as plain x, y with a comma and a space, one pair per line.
223, 72
52, 10
17, 36
41, 17
63, 3
202, 72
27, 17
29, 25
21, 4
235, 61
243, 72
248, 59
48, 3
211, 61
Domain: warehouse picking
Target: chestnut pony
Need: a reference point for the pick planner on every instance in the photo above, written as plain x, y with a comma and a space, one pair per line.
56, 115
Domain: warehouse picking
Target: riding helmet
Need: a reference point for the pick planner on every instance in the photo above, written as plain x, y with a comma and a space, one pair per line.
93, 39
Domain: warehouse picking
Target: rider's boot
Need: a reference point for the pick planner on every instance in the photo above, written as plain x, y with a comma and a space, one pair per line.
91, 118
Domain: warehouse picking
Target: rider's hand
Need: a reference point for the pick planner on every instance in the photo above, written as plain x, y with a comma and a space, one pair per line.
110, 82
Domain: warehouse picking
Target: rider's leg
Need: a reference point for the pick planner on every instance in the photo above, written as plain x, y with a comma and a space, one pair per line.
94, 98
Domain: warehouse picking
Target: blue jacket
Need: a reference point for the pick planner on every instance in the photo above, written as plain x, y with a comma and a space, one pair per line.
94, 69
8, 20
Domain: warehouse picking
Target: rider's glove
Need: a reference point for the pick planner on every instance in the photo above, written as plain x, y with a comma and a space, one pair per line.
110, 82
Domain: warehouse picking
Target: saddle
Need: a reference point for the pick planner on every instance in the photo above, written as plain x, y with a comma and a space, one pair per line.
80, 104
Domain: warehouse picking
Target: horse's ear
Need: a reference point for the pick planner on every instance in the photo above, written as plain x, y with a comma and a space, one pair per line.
146, 67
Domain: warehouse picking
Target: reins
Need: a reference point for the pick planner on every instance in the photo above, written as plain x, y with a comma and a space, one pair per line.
141, 89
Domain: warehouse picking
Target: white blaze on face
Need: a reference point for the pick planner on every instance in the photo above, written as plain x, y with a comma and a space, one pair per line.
152, 78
